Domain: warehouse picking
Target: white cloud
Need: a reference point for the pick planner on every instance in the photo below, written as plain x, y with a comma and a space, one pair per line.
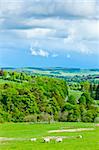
63, 8
43, 53
39, 52
82, 8
34, 53
80, 34
52, 8
57, 26
38, 32
76, 36
11, 7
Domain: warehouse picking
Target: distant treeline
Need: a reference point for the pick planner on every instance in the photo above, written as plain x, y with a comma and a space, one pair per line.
73, 74
37, 98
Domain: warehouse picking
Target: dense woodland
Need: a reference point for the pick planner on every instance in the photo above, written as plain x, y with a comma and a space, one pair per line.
33, 98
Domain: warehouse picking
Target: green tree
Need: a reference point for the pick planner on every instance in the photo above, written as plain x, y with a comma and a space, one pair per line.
85, 86
72, 100
97, 93
82, 100
89, 99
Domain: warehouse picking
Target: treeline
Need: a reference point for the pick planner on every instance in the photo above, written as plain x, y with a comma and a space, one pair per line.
35, 99
92, 88
42, 94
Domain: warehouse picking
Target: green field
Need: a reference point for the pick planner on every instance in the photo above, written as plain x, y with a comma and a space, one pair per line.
26, 131
76, 93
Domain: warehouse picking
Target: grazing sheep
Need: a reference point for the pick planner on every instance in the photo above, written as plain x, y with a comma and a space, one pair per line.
46, 139
59, 139
79, 136
33, 139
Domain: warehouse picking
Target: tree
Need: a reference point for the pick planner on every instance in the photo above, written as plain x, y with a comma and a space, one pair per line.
32, 105
97, 93
89, 99
85, 86
54, 105
67, 107
88, 116
44, 97
82, 100
72, 100
5, 74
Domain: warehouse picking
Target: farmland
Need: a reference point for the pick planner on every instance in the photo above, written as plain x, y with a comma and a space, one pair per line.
26, 131
69, 74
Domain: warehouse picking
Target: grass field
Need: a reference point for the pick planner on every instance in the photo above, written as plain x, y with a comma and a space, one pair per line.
28, 131
76, 93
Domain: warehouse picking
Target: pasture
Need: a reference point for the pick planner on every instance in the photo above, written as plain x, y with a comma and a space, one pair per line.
23, 132
76, 93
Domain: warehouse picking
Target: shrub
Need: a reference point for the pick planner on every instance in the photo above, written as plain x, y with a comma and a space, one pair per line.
44, 117
1, 119
88, 116
30, 118
63, 116
5, 116
96, 120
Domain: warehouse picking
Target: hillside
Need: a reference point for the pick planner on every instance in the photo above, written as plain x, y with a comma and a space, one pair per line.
38, 98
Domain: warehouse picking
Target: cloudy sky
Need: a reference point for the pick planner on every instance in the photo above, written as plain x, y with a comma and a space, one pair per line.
53, 33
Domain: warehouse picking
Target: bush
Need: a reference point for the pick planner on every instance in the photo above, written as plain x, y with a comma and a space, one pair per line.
63, 116
1, 119
44, 117
5, 116
30, 118
88, 116
96, 120
68, 107
73, 116
56, 116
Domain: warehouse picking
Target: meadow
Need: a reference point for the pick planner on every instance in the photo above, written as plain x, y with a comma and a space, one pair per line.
76, 93
26, 131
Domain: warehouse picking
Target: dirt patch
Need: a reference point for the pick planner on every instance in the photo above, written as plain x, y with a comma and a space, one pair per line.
63, 137
6, 139
71, 130
97, 125
11, 139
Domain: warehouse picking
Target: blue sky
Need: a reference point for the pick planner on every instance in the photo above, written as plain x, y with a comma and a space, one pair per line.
43, 33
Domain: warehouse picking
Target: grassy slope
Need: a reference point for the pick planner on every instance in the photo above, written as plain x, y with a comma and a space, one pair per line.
23, 130
76, 93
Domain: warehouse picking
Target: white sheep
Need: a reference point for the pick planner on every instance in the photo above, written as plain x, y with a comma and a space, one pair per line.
33, 139
59, 139
46, 139
80, 136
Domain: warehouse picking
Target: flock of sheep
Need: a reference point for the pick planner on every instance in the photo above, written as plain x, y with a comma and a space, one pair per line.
57, 139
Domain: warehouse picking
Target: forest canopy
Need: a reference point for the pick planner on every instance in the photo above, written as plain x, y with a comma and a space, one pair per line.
36, 98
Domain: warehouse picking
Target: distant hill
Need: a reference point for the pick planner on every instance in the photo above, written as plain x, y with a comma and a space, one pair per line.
51, 69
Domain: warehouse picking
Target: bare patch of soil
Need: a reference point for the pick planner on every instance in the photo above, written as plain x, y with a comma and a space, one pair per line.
97, 125
71, 130
11, 139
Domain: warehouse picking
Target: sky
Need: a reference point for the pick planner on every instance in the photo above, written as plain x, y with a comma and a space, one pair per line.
49, 33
